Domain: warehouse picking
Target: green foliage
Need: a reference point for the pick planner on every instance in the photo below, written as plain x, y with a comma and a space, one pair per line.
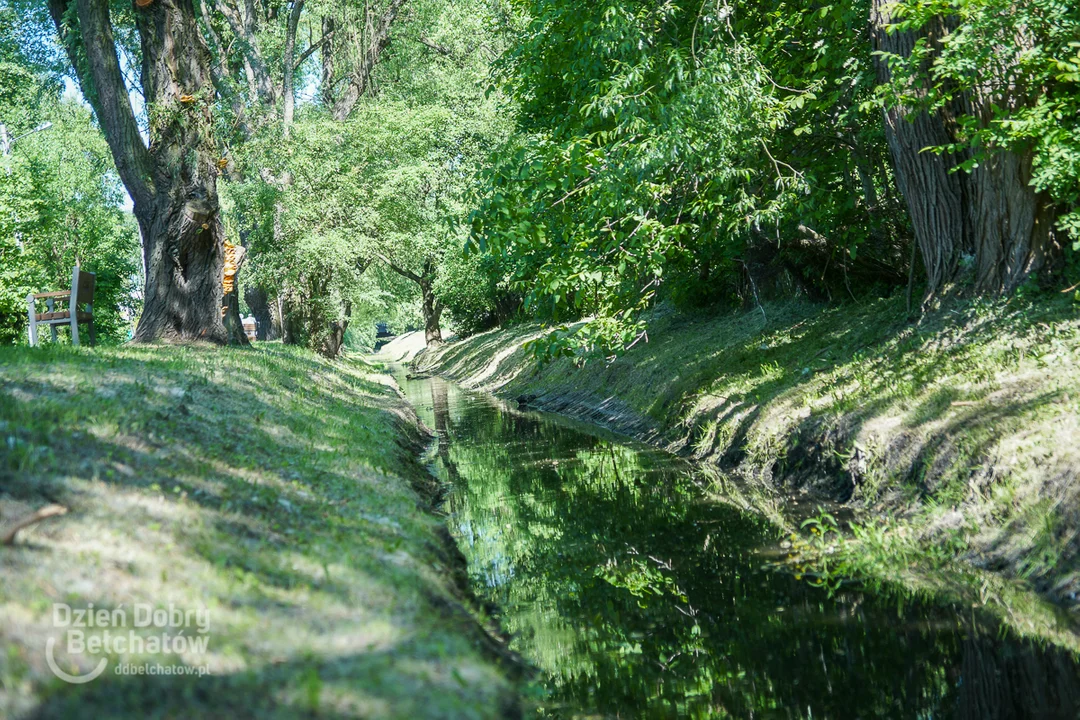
663, 148
60, 205
323, 211
1011, 73
628, 162
474, 289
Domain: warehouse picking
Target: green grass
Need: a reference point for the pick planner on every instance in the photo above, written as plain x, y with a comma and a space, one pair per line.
276, 489
962, 425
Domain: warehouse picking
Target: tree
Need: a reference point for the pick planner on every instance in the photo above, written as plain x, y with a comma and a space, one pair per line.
257, 46
60, 200
975, 99
331, 212
642, 154
173, 180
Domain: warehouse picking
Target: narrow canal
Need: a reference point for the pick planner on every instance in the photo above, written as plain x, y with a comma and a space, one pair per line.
637, 597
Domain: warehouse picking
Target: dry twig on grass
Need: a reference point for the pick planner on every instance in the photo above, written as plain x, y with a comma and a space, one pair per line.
8, 537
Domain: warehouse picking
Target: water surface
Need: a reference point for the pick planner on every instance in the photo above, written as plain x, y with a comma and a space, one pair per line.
638, 597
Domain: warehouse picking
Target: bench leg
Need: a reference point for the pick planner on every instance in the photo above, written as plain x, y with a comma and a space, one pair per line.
93, 338
33, 320
74, 330
52, 332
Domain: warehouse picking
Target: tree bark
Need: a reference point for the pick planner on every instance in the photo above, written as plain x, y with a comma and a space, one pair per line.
326, 82
1012, 226
288, 91
432, 316
990, 217
173, 183
934, 195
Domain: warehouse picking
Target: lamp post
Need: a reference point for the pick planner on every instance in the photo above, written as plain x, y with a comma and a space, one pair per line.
7, 142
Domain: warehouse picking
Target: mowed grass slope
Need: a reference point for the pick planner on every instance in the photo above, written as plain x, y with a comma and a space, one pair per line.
962, 425
272, 487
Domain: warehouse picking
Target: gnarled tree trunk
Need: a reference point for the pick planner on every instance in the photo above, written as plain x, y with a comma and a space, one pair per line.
991, 216
1012, 226
173, 182
934, 195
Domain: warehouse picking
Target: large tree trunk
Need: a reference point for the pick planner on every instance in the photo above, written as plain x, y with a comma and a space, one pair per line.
183, 296
991, 215
183, 233
1012, 226
173, 183
934, 195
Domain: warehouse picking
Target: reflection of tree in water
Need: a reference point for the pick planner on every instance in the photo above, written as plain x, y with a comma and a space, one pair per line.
440, 407
998, 682
639, 600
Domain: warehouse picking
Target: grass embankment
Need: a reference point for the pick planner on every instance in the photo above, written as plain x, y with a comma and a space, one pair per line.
954, 436
277, 490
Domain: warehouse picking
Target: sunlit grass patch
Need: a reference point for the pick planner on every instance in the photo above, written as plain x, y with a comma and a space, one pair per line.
251, 483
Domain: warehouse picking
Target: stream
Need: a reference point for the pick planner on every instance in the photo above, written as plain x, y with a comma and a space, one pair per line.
635, 595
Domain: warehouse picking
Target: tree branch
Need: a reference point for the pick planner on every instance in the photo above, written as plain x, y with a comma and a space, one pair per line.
219, 69
361, 76
314, 47
400, 270
8, 537
441, 49
244, 31
102, 83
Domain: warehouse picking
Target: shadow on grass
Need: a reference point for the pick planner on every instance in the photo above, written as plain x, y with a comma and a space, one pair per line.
271, 483
403, 681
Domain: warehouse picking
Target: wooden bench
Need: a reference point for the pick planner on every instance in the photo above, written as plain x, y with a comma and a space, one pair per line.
81, 293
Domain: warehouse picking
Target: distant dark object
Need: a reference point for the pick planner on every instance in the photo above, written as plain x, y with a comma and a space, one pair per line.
524, 401
382, 330
418, 376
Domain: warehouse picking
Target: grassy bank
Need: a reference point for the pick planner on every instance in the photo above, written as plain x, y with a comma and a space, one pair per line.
275, 489
957, 433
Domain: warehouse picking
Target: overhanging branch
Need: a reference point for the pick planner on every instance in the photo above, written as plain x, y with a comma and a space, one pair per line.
400, 270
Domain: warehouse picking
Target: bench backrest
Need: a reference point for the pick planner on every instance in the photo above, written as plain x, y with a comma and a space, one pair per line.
82, 287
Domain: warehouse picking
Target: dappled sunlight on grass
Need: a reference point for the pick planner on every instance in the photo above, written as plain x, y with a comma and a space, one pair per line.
972, 410
253, 484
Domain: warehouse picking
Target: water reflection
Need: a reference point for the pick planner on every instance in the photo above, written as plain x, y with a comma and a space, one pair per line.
637, 598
